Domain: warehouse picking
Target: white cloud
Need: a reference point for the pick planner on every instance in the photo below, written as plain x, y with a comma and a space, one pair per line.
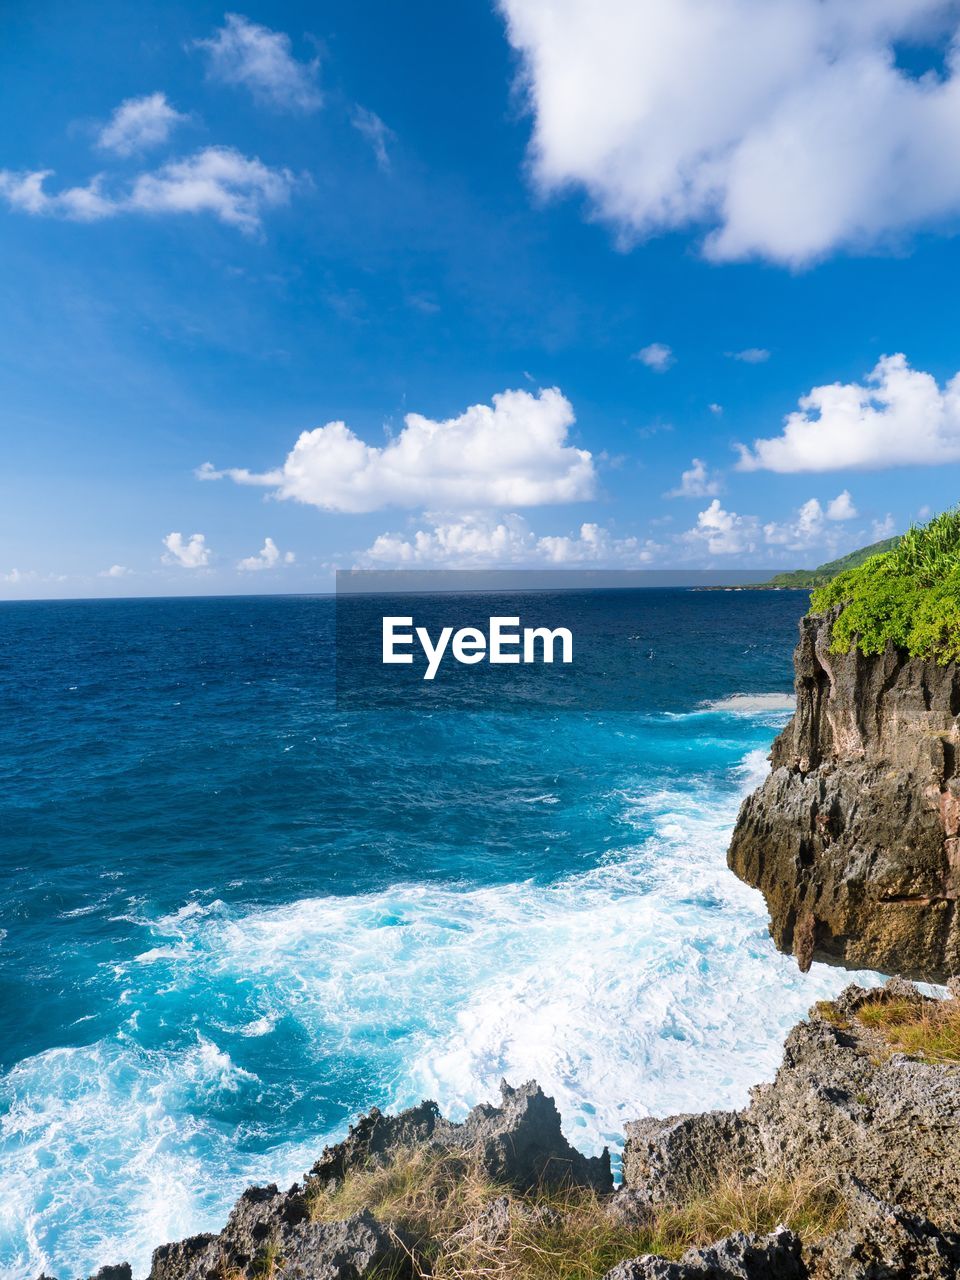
884, 528
217, 180
657, 356
716, 409
724, 532
17, 577
244, 53
898, 417
192, 553
514, 453
783, 128
473, 541
115, 571
750, 355
810, 526
371, 127
805, 530
268, 557
841, 507
139, 123
695, 483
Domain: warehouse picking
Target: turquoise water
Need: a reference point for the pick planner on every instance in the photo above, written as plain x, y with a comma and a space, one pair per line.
234, 916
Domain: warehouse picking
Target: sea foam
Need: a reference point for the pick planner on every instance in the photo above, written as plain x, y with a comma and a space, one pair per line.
645, 984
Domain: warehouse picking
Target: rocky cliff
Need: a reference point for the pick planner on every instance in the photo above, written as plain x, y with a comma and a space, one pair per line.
854, 838
849, 1122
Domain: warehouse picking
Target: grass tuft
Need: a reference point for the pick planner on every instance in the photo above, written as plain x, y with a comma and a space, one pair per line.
928, 1029
429, 1197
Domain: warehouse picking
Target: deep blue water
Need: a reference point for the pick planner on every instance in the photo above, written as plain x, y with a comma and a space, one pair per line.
234, 916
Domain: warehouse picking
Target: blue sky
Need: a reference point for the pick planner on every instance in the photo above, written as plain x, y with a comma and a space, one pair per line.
650, 237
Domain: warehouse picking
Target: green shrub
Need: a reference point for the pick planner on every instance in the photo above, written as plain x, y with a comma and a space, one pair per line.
909, 595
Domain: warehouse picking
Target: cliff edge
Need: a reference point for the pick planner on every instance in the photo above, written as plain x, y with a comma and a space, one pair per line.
854, 837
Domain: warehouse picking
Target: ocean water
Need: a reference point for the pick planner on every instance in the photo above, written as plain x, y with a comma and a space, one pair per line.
234, 916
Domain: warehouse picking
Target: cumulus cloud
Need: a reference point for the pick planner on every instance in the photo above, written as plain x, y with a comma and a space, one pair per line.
244, 53
750, 355
189, 553
724, 532
268, 557
728, 533
657, 356
139, 123
220, 181
805, 530
841, 507
513, 453
785, 129
695, 483
884, 528
369, 125
115, 571
474, 541
898, 417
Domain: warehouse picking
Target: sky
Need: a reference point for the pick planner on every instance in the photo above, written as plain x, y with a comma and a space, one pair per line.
618, 283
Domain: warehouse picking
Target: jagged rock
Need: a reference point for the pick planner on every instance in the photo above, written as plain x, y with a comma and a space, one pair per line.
650, 1267
495, 1222
842, 1105
258, 1229
776, 1256
181, 1259
739, 1257
854, 838
629, 1208
121, 1271
885, 1242
666, 1160
518, 1143
489, 1227
350, 1250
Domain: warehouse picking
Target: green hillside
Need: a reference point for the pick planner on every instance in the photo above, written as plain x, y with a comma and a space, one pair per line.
825, 572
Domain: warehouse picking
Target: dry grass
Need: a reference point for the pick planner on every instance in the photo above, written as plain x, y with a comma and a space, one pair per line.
563, 1234
928, 1029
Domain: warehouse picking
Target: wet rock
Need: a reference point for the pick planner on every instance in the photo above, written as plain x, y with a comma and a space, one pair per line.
854, 838
121, 1271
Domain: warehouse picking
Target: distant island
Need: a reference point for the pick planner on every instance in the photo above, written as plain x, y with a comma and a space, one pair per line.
808, 579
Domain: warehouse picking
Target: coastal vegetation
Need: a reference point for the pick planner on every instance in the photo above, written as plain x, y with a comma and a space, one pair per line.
908, 595
924, 1029
457, 1222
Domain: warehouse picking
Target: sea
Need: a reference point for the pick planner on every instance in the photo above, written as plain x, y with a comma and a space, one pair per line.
235, 913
